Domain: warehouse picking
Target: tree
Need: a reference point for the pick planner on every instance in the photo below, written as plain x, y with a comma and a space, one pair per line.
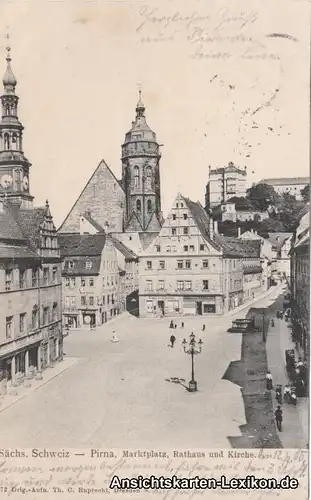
305, 193
240, 203
261, 196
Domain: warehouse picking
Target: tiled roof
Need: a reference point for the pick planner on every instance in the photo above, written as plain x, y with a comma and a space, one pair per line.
92, 221
200, 218
236, 247
128, 254
285, 181
9, 228
80, 268
29, 221
17, 252
21, 226
81, 244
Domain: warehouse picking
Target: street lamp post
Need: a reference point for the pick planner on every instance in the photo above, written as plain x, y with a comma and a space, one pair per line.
192, 348
263, 327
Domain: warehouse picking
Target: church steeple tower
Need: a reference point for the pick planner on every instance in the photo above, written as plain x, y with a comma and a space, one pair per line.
14, 166
141, 175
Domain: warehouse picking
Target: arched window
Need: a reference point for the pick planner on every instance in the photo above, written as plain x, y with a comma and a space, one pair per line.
14, 140
136, 177
138, 205
149, 206
6, 141
148, 177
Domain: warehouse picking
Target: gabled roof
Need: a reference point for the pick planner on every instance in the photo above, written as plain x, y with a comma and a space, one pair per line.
239, 248
278, 239
81, 244
128, 254
201, 219
101, 165
20, 230
285, 181
92, 221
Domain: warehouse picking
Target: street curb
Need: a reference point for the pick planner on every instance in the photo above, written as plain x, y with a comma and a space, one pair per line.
260, 297
38, 387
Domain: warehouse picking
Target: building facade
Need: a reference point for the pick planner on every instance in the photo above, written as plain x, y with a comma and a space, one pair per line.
231, 213
225, 183
289, 185
300, 285
180, 273
31, 337
90, 278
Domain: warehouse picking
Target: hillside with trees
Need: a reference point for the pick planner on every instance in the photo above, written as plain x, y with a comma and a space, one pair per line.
284, 210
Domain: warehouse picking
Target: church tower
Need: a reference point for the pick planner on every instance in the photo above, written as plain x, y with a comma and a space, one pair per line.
141, 176
14, 166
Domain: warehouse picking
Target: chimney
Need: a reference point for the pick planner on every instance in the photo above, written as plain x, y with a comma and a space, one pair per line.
239, 232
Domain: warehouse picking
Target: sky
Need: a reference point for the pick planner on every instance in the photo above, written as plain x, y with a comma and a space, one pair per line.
221, 82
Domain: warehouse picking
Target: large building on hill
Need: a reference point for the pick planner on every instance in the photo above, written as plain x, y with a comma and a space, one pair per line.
30, 267
132, 204
289, 185
225, 183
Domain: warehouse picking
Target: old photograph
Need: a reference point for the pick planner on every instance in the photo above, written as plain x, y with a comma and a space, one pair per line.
154, 226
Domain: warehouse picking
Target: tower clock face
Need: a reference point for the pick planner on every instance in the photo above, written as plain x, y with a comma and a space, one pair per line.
6, 181
25, 183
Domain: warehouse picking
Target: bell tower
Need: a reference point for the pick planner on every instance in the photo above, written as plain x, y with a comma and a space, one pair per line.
141, 175
14, 166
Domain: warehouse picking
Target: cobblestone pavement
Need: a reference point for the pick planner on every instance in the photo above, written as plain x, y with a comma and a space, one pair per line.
119, 394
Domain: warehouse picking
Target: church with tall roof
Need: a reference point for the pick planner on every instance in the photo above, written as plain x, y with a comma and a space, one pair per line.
131, 205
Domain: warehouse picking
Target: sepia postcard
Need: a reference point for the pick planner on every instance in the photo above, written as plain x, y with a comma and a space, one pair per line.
154, 249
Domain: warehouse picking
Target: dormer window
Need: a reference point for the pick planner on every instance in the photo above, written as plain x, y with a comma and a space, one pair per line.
88, 264
71, 264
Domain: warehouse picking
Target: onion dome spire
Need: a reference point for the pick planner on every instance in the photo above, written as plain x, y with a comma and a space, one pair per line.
140, 108
9, 80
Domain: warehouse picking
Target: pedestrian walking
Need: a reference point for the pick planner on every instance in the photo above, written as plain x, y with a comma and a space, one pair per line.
114, 337
172, 340
203, 328
182, 324
171, 324
269, 384
175, 326
279, 417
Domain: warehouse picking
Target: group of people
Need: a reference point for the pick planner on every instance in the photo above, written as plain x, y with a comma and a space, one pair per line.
182, 325
278, 414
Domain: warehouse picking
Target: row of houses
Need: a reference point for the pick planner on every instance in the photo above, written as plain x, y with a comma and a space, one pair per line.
300, 284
